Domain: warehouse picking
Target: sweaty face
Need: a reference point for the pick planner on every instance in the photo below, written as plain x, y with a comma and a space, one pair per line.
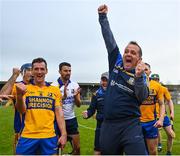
39, 71
65, 72
27, 75
147, 70
131, 57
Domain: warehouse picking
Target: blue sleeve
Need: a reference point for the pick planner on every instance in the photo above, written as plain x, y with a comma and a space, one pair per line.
111, 46
141, 88
92, 107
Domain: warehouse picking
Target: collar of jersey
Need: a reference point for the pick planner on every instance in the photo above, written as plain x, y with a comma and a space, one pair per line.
130, 73
101, 91
60, 82
47, 84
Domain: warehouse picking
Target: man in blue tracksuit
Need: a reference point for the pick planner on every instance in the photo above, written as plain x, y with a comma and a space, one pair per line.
97, 104
121, 131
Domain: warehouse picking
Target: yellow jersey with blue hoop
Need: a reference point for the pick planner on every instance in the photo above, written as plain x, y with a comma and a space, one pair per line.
40, 111
148, 107
167, 97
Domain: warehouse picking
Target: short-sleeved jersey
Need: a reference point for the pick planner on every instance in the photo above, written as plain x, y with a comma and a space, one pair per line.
68, 103
40, 111
167, 97
148, 107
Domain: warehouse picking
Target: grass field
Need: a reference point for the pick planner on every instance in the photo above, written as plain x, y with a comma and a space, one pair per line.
86, 128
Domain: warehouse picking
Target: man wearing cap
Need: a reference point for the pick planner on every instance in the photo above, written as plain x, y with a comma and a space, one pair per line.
166, 123
97, 104
18, 117
9, 88
127, 89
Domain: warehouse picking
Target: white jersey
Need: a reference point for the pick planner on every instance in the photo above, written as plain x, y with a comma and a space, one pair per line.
68, 103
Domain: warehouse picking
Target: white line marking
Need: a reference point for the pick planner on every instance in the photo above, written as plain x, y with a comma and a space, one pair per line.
164, 140
174, 141
86, 127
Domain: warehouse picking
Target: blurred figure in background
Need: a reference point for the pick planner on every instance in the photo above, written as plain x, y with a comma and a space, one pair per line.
168, 127
97, 104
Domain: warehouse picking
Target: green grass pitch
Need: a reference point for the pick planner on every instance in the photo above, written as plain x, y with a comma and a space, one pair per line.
86, 128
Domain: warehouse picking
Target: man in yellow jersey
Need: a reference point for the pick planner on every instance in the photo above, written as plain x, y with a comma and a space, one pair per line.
10, 88
148, 114
41, 104
166, 123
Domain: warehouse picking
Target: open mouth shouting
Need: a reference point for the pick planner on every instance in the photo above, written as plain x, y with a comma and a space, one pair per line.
128, 63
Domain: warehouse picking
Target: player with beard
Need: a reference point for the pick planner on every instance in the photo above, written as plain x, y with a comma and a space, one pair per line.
71, 96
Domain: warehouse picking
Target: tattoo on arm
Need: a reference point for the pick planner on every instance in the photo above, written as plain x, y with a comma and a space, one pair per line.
7, 88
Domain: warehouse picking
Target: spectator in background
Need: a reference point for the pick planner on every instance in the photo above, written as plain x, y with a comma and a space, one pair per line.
97, 104
167, 121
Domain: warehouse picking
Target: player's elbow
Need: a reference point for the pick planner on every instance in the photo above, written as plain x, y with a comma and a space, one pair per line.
78, 103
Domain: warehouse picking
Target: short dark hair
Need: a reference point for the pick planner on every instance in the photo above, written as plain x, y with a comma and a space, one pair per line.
64, 64
39, 60
135, 43
148, 65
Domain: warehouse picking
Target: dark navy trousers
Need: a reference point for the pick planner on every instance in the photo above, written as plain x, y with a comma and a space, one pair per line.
122, 137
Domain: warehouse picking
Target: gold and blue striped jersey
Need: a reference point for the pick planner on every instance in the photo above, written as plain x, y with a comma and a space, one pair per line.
40, 111
148, 107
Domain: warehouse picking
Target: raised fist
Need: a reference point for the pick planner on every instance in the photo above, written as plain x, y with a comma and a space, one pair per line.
103, 9
21, 89
140, 69
16, 71
84, 114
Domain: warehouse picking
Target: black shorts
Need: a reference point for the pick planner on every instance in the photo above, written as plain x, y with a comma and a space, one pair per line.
119, 137
72, 126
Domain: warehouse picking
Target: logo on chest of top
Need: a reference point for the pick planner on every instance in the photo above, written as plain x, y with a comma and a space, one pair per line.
72, 91
40, 93
115, 70
152, 92
125, 88
131, 81
50, 94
